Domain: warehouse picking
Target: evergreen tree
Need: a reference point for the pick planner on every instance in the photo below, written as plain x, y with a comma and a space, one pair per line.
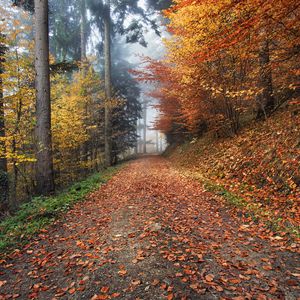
125, 116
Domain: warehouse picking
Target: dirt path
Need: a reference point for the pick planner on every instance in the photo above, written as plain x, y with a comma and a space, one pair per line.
151, 234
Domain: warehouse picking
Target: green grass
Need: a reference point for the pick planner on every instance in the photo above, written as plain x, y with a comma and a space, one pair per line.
42, 211
231, 198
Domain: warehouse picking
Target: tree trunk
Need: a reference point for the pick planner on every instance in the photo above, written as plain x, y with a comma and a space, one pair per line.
83, 37
157, 142
107, 79
4, 186
145, 127
139, 141
44, 165
265, 100
136, 147
161, 143
84, 149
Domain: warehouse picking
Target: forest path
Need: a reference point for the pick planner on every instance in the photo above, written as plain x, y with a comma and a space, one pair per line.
150, 233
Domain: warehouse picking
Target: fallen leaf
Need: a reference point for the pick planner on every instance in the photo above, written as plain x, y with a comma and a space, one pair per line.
194, 286
104, 289
135, 282
3, 282
115, 295
155, 282
122, 272
209, 277
170, 296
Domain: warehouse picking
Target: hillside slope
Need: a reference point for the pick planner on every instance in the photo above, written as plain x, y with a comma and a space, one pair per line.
259, 169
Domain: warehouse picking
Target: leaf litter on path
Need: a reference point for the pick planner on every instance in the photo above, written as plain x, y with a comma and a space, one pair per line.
150, 233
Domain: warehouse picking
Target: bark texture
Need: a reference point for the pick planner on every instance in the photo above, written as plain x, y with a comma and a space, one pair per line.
44, 166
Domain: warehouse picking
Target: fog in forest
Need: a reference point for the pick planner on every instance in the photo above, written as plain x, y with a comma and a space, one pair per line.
137, 31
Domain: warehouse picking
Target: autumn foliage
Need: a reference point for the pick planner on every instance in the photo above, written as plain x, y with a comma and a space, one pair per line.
262, 177
229, 65
77, 113
226, 62
76, 110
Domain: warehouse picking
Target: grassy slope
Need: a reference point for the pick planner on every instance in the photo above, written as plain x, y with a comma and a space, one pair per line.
258, 170
40, 212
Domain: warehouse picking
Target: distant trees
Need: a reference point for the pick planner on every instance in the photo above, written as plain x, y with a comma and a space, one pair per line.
83, 30
101, 15
128, 110
226, 62
107, 82
69, 29
58, 134
159, 4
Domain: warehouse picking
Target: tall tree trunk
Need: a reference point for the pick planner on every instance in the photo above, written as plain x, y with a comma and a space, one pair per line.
265, 100
44, 165
139, 136
107, 79
157, 141
136, 147
84, 149
83, 37
145, 127
4, 186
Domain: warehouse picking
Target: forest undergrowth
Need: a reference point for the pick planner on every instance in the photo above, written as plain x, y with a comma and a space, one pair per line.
34, 216
257, 171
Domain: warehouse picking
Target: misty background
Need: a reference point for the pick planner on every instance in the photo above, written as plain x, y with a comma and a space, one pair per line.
137, 31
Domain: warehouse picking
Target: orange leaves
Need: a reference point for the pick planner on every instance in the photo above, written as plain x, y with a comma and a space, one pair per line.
100, 297
72, 291
242, 164
170, 296
140, 255
198, 246
122, 271
209, 78
104, 289
209, 277
105, 294
81, 245
2, 282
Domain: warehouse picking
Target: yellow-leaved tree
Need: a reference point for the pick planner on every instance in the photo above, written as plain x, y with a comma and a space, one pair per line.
76, 117
18, 102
